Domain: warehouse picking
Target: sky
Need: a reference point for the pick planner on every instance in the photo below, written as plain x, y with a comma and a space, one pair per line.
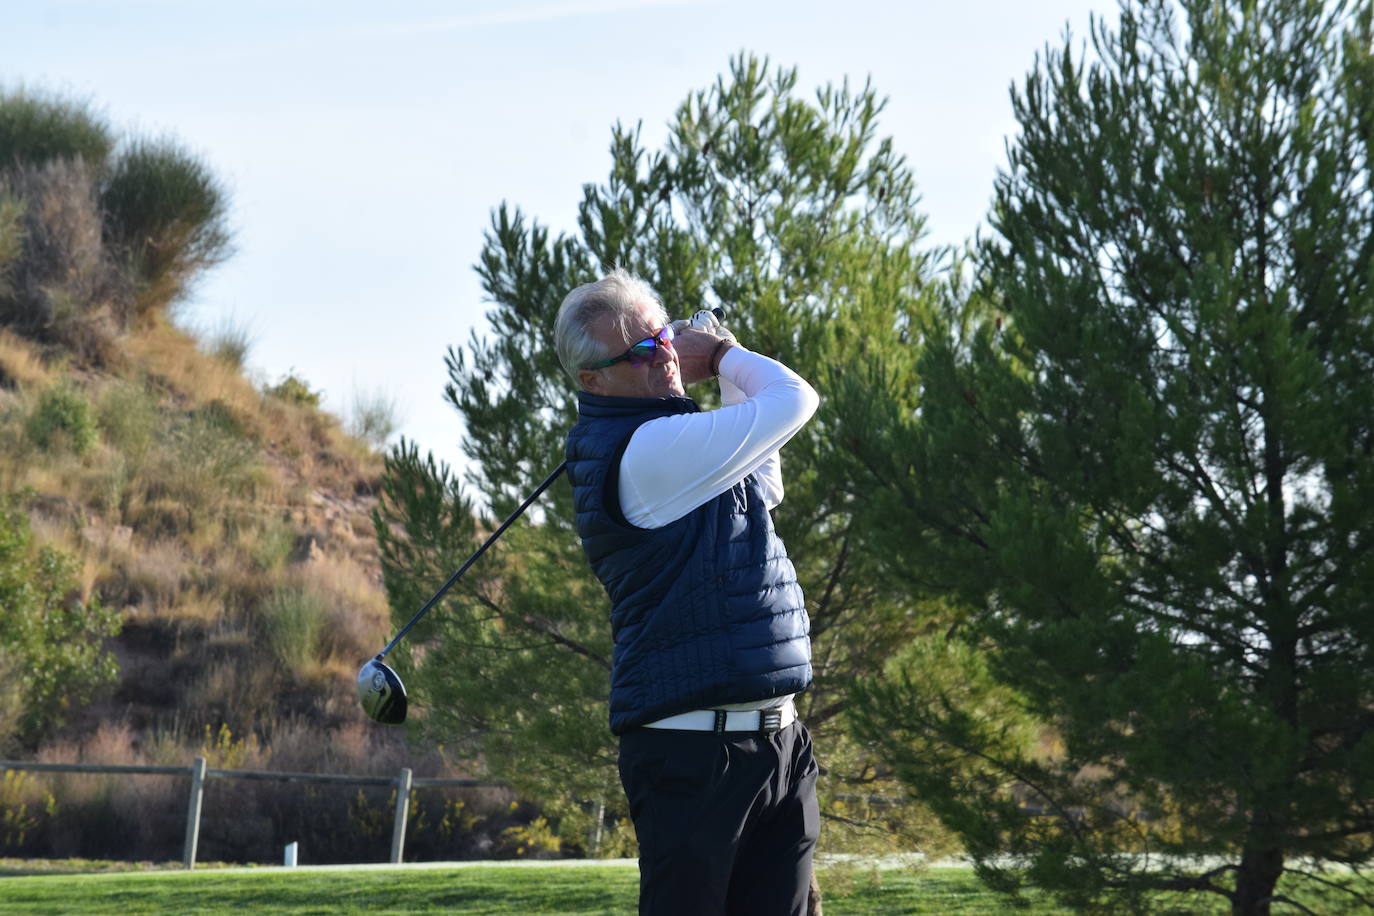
364, 145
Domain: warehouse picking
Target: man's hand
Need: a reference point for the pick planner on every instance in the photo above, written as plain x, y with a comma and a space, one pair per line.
694, 351
704, 322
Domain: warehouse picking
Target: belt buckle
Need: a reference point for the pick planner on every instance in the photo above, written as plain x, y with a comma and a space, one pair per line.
770, 720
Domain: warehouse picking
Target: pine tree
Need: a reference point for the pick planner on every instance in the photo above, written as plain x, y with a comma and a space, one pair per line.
1139, 466
791, 215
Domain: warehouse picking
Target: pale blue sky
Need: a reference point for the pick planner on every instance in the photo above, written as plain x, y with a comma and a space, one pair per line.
364, 144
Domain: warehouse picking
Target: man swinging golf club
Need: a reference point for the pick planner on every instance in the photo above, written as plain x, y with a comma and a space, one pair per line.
710, 629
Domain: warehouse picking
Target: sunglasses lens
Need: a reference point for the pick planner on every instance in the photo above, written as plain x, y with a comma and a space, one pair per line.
643, 351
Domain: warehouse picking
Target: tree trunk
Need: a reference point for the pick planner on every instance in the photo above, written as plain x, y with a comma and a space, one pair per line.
1255, 881
813, 897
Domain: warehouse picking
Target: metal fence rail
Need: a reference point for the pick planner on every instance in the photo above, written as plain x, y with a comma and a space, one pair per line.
403, 782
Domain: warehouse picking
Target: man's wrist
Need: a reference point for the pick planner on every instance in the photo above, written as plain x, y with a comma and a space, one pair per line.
717, 355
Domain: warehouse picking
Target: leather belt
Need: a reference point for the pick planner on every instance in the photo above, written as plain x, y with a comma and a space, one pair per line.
720, 720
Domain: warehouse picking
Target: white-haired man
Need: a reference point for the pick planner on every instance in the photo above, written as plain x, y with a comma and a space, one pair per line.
710, 629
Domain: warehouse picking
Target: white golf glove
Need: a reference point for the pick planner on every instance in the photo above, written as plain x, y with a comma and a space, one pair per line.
705, 320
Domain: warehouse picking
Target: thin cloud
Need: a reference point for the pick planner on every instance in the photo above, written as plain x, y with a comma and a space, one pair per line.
549, 12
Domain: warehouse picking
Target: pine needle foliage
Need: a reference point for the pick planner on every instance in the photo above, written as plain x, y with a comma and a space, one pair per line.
1140, 464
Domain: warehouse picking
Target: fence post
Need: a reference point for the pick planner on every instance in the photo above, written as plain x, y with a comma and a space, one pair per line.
398, 830
188, 855
597, 829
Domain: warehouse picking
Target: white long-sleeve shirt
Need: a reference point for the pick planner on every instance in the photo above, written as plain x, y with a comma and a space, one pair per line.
674, 464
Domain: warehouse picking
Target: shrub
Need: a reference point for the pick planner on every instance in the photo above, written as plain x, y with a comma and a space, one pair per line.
167, 216
62, 417
295, 619
230, 343
373, 418
17, 810
222, 417
128, 417
61, 286
36, 128
52, 645
294, 390
533, 840
270, 545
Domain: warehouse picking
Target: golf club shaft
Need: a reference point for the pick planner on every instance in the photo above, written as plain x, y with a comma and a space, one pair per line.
472, 559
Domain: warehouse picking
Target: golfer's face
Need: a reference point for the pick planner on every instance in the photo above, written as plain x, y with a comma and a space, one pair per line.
658, 377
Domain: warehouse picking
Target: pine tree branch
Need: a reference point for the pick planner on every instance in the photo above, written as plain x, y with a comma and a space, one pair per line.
1281, 898
550, 629
1198, 476
543, 625
1364, 899
1178, 883
832, 580
877, 829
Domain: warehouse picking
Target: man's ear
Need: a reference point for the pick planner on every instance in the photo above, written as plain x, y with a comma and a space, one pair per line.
590, 379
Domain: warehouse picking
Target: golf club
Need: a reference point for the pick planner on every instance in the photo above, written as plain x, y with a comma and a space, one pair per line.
380, 690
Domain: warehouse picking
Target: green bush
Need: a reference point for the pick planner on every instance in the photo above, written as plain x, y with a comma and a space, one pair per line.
223, 418
295, 622
50, 645
128, 418
62, 418
272, 546
294, 390
167, 216
36, 128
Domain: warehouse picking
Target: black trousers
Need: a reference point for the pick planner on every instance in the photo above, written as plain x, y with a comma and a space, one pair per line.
726, 823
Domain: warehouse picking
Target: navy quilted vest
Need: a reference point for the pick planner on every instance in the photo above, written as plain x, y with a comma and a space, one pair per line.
704, 611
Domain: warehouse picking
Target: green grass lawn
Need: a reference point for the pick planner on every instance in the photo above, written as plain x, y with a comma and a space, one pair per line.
511, 889
526, 890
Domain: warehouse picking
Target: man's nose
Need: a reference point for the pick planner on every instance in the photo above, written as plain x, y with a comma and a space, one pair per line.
663, 353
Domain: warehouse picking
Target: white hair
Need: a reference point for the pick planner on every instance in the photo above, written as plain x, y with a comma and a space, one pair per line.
618, 294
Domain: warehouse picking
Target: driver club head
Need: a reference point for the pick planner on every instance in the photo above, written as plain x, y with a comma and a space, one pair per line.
381, 692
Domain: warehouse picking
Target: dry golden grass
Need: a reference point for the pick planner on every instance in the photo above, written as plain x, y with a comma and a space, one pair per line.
21, 361
316, 449
358, 615
173, 359
197, 606
155, 574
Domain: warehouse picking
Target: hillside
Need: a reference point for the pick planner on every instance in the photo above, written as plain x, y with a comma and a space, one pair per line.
187, 561
229, 527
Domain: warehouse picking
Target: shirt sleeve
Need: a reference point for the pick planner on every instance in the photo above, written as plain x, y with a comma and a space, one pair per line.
674, 464
769, 470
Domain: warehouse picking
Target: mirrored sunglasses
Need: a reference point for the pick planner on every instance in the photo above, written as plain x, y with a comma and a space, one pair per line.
642, 352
